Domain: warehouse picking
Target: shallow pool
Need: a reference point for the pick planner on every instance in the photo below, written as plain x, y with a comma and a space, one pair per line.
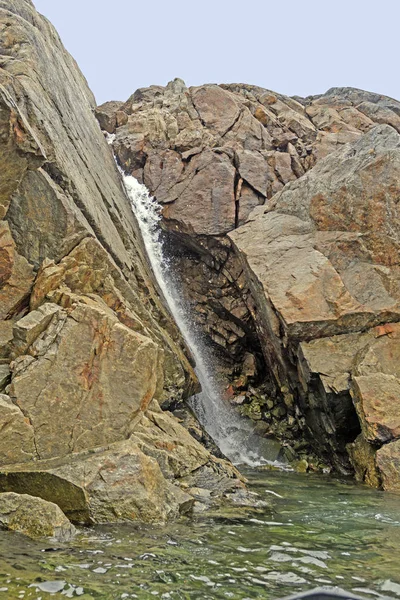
317, 531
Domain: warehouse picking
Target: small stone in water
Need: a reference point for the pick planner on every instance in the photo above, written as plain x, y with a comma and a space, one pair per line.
100, 570
51, 587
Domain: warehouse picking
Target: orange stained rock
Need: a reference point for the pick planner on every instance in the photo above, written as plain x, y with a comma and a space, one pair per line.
387, 329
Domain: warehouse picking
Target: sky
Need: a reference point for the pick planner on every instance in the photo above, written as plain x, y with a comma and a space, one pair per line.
295, 47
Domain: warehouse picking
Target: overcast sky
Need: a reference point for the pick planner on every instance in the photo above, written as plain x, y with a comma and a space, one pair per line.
296, 47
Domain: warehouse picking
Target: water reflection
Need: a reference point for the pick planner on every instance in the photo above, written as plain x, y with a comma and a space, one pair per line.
316, 531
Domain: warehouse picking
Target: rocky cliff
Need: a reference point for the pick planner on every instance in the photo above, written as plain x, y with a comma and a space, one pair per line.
282, 215
87, 348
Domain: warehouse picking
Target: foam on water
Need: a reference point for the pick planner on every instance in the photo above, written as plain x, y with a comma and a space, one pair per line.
232, 434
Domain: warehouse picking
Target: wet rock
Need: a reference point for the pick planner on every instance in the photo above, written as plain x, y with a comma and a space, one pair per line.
378, 467
34, 517
388, 465
238, 400
301, 466
363, 458
262, 428
215, 478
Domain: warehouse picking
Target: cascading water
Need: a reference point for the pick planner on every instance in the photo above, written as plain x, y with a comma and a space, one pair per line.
231, 433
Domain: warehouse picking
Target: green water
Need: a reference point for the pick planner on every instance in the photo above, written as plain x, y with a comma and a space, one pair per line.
321, 531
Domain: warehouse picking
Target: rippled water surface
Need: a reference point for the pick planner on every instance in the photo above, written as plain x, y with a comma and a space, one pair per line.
317, 531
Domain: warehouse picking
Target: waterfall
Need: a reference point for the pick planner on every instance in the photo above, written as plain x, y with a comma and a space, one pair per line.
233, 434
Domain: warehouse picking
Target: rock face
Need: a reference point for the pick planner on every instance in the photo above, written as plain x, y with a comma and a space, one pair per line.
142, 478
322, 258
117, 484
282, 214
87, 347
34, 517
211, 155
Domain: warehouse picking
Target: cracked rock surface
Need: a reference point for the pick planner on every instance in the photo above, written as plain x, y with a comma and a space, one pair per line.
87, 347
282, 214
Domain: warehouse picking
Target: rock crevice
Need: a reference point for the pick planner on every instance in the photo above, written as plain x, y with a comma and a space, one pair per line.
282, 217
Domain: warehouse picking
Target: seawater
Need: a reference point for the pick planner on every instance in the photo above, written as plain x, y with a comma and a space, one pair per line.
316, 531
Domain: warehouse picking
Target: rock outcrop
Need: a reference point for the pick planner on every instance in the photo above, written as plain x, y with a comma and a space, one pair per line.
142, 478
282, 216
322, 261
211, 155
87, 347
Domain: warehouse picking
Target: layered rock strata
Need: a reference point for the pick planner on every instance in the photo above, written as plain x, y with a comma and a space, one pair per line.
87, 347
282, 215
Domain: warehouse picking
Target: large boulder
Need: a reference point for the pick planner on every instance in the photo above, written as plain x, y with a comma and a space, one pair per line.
85, 383
377, 467
325, 249
34, 517
133, 480
321, 261
117, 484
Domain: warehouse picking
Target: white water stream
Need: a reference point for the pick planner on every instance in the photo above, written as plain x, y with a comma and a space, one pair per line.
232, 434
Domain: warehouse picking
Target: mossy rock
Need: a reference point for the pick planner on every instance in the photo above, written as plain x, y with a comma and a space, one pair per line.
34, 517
